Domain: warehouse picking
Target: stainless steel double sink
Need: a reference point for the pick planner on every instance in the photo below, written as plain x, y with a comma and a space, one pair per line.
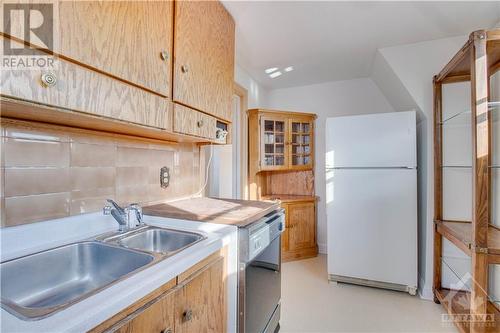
38, 285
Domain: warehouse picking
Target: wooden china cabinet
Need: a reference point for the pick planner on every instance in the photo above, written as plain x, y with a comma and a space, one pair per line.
281, 167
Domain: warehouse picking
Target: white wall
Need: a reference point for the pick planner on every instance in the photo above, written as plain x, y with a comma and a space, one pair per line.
257, 94
339, 98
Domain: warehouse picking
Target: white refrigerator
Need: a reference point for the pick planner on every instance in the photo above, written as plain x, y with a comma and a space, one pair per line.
371, 199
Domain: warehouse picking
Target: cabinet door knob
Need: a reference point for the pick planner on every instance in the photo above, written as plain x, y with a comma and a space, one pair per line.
187, 315
166, 330
164, 55
199, 123
49, 79
184, 68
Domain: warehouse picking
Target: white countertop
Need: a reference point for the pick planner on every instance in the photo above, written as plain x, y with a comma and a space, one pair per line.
88, 313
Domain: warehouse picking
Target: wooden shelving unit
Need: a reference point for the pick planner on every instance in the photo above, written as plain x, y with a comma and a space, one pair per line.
476, 62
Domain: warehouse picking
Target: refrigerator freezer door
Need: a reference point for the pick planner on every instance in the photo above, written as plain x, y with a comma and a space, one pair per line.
372, 224
375, 140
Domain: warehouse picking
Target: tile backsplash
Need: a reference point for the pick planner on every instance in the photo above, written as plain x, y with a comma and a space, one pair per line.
50, 171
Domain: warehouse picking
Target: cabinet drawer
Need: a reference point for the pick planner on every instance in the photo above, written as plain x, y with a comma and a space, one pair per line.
191, 122
80, 89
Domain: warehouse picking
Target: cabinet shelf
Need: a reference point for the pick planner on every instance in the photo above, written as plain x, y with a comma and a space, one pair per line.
457, 304
460, 234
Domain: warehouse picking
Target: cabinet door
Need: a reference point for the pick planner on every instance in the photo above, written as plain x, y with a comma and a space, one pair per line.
154, 318
131, 40
80, 89
302, 229
301, 144
204, 57
273, 153
201, 302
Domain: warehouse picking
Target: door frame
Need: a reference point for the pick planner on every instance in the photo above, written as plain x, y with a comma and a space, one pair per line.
242, 132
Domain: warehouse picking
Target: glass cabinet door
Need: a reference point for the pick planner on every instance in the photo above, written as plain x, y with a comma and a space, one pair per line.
301, 133
273, 154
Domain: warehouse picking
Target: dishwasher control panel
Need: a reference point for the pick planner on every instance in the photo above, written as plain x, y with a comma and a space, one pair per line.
264, 233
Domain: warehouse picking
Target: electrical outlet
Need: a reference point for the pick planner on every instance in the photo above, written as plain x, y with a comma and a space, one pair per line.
164, 177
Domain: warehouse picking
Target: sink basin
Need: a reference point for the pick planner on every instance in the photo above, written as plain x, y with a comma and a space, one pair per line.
37, 285
160, 240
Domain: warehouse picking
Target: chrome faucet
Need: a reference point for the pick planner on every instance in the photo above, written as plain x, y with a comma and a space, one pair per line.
121, 215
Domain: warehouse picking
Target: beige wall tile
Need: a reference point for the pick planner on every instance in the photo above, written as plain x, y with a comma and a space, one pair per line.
29, 181
30, 153
88, 178
132, 194
95, 155
161, 158
33, 208
51, 171
128, 156
90, 200
132, 176
156, 193
38, 133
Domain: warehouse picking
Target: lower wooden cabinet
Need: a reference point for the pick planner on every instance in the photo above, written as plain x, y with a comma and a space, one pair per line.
299, 238
194, 301
157, 317
200, 303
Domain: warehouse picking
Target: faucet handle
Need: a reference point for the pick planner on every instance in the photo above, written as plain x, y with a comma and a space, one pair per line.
116, 206
106, 210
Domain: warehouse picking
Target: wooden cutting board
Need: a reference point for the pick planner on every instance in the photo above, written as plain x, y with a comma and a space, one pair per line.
224, 211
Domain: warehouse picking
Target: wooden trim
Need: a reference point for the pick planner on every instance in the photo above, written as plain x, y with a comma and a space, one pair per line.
456, 79
281, 113
438, 185
481, 173
458, 58
244, 143
181, 278
156, 294
453, 237
29, 111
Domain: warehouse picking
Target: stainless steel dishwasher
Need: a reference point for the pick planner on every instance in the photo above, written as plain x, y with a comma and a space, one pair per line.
259, 275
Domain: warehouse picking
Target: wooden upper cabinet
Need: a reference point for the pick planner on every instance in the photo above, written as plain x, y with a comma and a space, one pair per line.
281, 140
300, 143
204, 57
273, 147
131, 40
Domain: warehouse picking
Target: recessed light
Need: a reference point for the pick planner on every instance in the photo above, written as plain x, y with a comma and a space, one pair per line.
275, 74
271, 69
289, 69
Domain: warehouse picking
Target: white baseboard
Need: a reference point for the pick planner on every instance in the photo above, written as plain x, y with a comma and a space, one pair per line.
425, 291
322, 248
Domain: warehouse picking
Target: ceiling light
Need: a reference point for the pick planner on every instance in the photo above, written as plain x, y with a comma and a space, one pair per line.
271, 69
275, 74
289, 69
